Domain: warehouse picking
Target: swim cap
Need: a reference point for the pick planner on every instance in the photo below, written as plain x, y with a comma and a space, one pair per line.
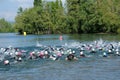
59, 54
18, 53
11, 53
62, 52
109, 50
73, 52
93, 49
19, 59
31, 54
6, 62
41, 53
81, 53
57, 49
104, 53
46, 52
117, 52
70, 52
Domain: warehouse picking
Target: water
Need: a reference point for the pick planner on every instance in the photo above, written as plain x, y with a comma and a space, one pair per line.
91, 68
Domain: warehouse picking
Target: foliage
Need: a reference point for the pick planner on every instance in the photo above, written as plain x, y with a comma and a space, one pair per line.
77, 16
5, 26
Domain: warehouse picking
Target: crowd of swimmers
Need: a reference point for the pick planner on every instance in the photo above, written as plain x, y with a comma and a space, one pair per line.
15, 55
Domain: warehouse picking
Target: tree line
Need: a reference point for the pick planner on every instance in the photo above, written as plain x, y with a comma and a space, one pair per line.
5, 26
75, 16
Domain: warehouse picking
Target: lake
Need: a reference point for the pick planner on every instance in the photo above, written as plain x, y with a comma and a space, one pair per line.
89, 68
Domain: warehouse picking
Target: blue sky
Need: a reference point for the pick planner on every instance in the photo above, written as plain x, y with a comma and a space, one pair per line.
9, 8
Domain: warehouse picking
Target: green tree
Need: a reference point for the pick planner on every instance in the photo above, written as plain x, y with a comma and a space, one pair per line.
78, 16
5, 26
20, 10
73, 15
37, 3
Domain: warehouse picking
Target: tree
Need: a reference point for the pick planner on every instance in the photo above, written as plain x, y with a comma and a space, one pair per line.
20, 10
37, 3
73, 15
5, 26
79, 16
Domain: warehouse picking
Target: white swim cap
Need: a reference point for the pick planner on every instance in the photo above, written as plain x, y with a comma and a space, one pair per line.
93, 49
6, 62
57, 49
117, 52
12, 53
16, 53
81, 52
91, 45
70, 52
33, 52
104, 53
62, 52
109, 50
46, 52
19, 58
73, 51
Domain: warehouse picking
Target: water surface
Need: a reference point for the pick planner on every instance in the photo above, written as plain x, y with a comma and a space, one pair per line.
92, 68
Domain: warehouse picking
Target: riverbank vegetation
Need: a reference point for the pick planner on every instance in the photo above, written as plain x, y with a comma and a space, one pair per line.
75, 16
5, 26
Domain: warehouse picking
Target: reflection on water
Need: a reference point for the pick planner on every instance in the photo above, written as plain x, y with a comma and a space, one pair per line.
91, 68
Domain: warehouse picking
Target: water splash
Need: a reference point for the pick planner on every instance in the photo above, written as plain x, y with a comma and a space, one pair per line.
38, 44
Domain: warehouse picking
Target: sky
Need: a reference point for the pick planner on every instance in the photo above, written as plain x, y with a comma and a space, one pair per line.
9, 8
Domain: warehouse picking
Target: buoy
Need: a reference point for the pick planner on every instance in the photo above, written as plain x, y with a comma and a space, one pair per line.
24, 34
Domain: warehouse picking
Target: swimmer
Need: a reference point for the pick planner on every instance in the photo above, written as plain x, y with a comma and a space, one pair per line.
6, 62
100, 49
117, 53
82, 54
18, 54
93, 50
73, 52
71, 57
41, 54
104, 54
46, 55
33, 56
19, 59
54, 57
110, 51
60, 38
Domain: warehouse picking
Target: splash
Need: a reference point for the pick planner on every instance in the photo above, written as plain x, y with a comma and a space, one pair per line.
38, 44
